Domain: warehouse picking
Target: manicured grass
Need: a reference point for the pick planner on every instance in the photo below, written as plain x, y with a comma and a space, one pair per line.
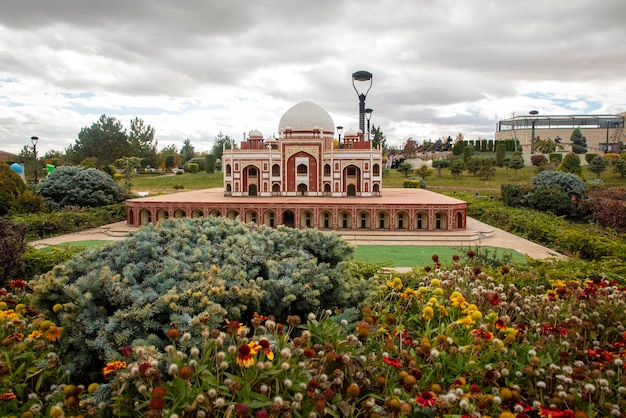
418, 255
389, 255
93, 243
166, 182
467, 181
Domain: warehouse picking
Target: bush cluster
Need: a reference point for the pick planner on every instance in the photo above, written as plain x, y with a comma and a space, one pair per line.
77, 186
41, 225
14, 195
190, 273
414, 184
607, 207
588, 243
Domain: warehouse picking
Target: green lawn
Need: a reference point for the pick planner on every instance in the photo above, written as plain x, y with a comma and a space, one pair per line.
418, 255
467, 182
389, 255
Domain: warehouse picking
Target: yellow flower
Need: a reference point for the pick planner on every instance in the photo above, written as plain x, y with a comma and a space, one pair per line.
443, 311
435, 283
471, 308
409, 293
57, 412
433, 302
458, 301
35, 334
559, 283
396, 284
53, 333
467, 321
57, 308
438, 291
477, 315
428, 313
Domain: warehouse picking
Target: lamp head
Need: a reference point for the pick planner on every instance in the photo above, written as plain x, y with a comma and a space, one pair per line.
339, 129
368, 113
34, 140
362, 76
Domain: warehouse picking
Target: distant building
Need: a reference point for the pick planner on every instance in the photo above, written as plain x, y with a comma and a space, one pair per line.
603, 132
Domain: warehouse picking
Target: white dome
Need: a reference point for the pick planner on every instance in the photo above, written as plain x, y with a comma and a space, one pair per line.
306, 116
255, 134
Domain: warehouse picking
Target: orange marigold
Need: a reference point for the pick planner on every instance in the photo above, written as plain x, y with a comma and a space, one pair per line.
112, 367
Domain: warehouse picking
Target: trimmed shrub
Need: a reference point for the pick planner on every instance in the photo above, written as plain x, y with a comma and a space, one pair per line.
569, 183
607, 207
41, 225
14, 195
513, 195
550, 199
191, 274
414, 184
12, 246
589, 157
571, 164
537, 159
192, 168
77, 186
500, 154
556, 157
199, 161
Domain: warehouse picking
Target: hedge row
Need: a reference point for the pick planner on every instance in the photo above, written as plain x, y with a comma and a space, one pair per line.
41, 225
579, 240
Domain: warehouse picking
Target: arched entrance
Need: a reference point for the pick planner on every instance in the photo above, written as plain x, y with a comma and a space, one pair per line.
288, 219
302, 189
145, 217
252, 190
351, 190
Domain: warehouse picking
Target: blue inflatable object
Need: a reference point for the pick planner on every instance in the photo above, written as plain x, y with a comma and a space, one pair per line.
19, 170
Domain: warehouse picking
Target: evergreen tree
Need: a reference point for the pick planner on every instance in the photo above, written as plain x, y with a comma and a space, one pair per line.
516, 163
105, 140
405, 168
500, 154
571, 164
598, 165
579, 142
457, 166
187, 152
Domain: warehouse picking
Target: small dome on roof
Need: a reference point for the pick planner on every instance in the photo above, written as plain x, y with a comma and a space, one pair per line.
255, 134
306, 116
350, 133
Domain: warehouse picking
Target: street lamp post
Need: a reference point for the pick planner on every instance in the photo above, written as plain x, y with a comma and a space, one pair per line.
34, 140
533, 114
339, 131
362, 76
368, 116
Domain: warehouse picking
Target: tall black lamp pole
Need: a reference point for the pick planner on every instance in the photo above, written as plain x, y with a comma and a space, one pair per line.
34, 140
368, 116
362, 76
533, 115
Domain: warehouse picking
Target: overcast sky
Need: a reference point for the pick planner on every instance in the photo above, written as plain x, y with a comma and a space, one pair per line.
193, 68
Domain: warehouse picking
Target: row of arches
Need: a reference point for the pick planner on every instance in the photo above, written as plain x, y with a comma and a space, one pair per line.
419, 219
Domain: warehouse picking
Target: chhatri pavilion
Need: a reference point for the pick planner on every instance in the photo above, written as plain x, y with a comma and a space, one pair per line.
306, 178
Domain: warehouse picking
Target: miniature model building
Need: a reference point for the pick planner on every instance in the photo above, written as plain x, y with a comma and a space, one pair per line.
305, 160
306, 178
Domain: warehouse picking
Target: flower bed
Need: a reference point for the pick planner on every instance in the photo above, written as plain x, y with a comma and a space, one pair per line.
443, 341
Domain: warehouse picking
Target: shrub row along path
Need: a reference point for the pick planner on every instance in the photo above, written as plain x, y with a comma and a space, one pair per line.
493, 237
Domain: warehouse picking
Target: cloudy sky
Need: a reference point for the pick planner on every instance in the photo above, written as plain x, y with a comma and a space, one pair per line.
194, 68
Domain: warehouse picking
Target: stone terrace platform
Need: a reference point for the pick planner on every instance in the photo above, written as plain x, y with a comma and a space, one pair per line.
413, 213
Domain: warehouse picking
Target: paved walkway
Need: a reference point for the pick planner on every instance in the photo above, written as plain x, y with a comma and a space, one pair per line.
494, 237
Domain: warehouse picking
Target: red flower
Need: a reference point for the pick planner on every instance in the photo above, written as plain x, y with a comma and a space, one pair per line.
427, 398
18, 284
159, 392
393, 362
127, 351
501, 325
156, 404
555, 412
